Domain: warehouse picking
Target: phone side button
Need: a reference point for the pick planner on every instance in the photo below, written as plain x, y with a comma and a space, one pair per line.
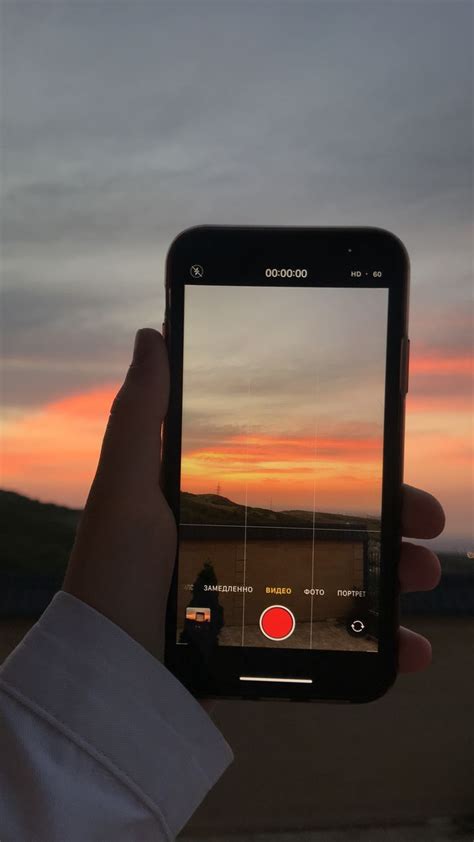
408, 366
404, 366
163, 330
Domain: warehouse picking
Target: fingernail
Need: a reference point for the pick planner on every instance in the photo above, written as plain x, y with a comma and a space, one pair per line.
143, 345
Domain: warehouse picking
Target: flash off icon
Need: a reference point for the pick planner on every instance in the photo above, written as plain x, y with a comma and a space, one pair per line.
196, 271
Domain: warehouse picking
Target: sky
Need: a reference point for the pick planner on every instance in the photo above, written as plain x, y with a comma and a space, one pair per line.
125, 122
283, 401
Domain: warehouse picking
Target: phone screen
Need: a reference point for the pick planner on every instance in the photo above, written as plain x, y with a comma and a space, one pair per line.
281, 466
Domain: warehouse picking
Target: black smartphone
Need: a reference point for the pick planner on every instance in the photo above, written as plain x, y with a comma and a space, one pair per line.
282, 459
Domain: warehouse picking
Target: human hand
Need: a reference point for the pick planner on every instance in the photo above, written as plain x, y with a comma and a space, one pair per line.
123, 556
122, 560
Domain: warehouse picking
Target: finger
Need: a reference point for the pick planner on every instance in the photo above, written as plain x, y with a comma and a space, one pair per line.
130, 454
419, 568
422, 514
414, 651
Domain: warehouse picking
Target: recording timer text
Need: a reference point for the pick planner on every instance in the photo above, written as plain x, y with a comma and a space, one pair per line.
286, 273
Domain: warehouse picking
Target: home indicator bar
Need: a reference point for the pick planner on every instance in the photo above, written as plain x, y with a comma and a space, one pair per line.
267, 678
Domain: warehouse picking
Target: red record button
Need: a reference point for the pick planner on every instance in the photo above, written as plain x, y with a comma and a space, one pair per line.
277, 622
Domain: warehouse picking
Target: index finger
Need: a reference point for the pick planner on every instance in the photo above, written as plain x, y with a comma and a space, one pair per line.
422, 514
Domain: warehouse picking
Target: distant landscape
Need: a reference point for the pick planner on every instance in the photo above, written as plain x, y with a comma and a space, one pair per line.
215, 509
37, 537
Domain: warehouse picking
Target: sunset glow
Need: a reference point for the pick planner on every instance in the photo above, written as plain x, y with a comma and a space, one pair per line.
289, 470
123, 130
51, 453
438, 365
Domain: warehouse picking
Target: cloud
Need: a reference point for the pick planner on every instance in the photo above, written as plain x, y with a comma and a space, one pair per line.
441, 381
133, 126
51, 453
66, 335
119, 130
436, 364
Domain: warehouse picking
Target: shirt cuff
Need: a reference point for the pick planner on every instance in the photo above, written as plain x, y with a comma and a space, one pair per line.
92, 681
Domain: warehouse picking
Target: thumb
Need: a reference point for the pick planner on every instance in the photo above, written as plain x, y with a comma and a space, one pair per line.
129, 462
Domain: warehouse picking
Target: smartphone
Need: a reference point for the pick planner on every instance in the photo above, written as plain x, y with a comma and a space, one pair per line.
282, 459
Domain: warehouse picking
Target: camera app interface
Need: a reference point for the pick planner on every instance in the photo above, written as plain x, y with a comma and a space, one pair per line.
281, 466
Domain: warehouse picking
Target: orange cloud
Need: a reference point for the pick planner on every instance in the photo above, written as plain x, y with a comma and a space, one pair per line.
439, 404
241, 452
295, 491
93, 404
437, 364
52, 453
440, 384
289, 466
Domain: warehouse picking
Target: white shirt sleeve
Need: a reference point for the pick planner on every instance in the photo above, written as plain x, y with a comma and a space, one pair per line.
99, 742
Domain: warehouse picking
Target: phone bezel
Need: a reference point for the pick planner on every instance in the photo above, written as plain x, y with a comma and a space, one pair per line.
236, 255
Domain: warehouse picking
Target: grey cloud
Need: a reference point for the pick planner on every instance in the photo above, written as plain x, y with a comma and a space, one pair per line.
121, 129
446, 330
37, 385
200, 429
290, 382
60, 341
450, 385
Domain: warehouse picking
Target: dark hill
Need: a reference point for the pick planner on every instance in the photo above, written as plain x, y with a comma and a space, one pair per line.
38, 537
35, 537
214, 509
